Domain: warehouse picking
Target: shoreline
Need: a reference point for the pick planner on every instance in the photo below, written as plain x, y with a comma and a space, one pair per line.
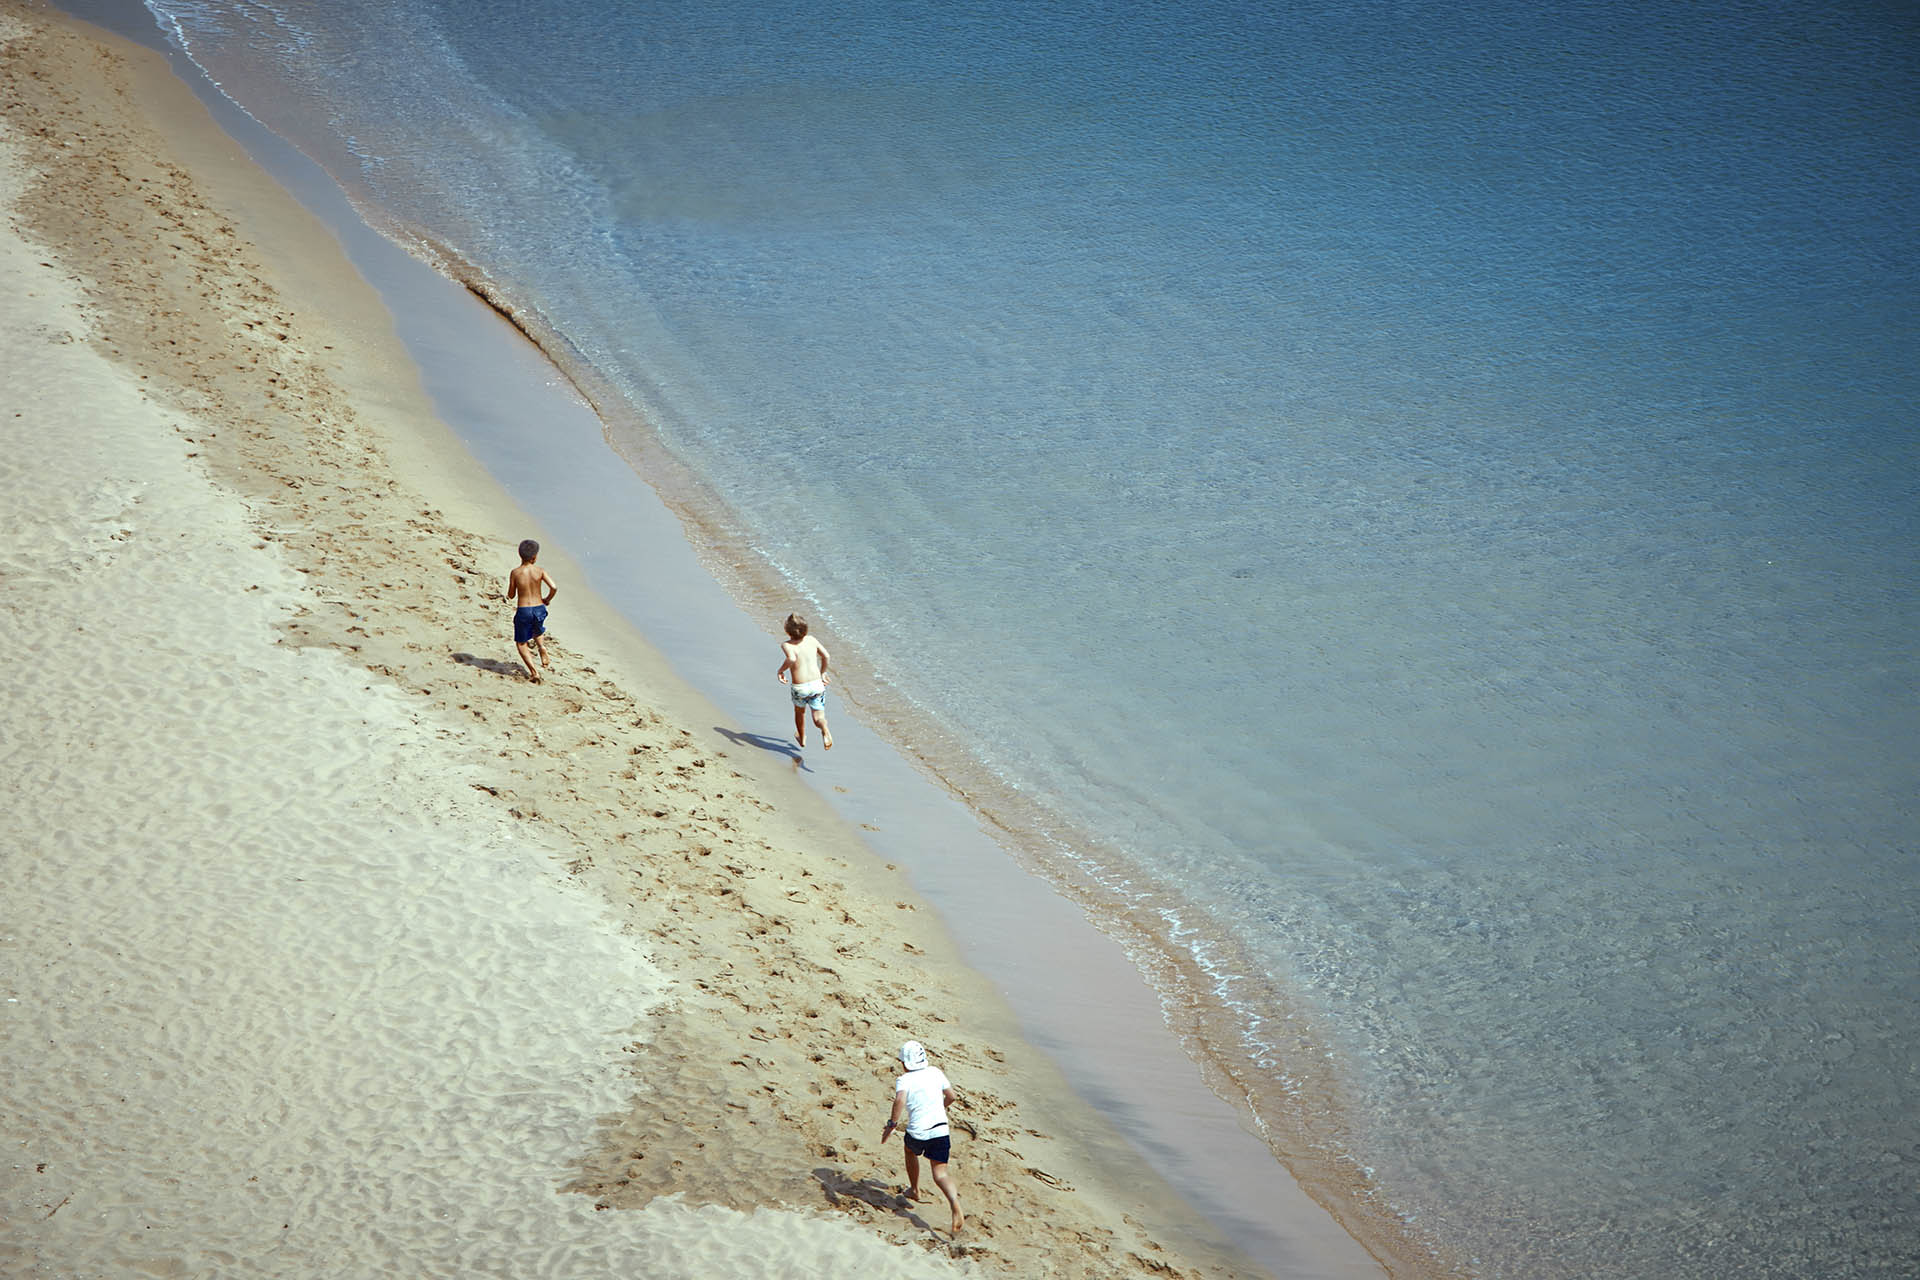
1105, 908
725, 588
1221, 1146
345, 612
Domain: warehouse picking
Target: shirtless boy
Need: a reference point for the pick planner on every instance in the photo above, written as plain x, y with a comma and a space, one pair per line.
529, 588
805, 666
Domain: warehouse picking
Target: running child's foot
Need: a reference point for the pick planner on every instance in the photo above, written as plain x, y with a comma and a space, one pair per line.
826, 740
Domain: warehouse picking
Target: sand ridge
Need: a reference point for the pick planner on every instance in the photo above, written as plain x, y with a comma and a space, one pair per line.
771, 971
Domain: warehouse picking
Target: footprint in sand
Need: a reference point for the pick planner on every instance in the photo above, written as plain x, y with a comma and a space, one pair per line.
1043, 1176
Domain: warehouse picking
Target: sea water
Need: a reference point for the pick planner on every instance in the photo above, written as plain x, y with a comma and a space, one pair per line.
1417, 500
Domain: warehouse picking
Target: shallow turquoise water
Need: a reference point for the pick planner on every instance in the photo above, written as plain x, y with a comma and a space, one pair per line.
1431, 492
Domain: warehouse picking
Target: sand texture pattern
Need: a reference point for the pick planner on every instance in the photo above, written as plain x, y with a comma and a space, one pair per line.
330, 945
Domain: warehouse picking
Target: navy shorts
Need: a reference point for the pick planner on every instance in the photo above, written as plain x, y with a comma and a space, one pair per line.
529, 620
934, 1149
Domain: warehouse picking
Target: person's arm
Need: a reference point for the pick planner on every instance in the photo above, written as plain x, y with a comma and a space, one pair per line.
893, 1121
786, 653
553, 588
824, 677
511, 592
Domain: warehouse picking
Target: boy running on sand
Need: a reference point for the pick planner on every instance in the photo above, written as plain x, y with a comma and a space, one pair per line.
531, 590
805, 666
921, 1095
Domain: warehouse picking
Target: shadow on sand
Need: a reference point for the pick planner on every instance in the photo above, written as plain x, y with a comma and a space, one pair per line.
838, 1187
777, 746
494, 665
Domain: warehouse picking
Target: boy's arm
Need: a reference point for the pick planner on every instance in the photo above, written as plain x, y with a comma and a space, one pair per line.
510, 591
893, 1121
786, 652
553, 588
824, 677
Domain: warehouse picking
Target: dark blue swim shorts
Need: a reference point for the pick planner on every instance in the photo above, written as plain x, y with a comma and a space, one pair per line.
934, 1149
529, 620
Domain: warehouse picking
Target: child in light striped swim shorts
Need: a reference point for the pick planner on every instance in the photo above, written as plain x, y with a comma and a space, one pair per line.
804, 665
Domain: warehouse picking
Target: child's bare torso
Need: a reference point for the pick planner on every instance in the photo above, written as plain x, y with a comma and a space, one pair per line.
525, 583
803, 655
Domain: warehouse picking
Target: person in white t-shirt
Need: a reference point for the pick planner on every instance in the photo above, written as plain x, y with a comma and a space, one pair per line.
921, 1096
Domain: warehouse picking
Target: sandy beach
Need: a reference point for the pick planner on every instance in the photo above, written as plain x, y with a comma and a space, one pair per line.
332, 946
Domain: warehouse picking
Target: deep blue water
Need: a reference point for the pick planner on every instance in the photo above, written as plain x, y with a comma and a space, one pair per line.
1423, 496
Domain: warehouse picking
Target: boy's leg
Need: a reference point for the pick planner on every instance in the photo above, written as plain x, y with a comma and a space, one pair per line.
913, 1173
540, 643
800, 724
826, 738
944, 1180
526, 660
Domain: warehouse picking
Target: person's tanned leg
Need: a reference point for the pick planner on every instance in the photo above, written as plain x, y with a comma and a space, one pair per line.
944, 1180
913, 1175
800, 724
526, 660
826, 738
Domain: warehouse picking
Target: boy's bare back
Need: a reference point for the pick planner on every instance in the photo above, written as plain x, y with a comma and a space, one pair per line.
529, 584
806, 660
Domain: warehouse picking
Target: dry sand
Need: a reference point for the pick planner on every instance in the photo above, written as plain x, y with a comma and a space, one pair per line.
329, 945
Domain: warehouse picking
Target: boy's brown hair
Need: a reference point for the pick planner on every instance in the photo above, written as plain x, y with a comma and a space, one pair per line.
796, 627
528, 550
